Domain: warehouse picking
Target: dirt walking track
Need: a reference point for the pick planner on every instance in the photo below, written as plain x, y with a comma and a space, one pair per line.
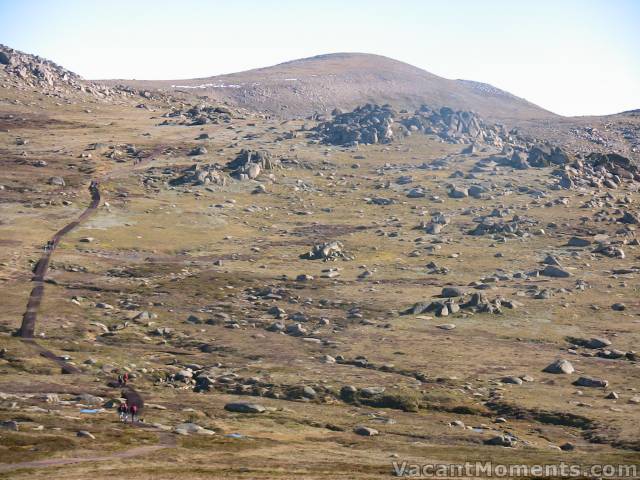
27, 330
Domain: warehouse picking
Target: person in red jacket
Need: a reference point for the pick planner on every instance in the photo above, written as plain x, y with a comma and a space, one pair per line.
134, 413
122, 410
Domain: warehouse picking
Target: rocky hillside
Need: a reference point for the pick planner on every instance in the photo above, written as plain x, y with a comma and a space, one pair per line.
26, 72
346, 80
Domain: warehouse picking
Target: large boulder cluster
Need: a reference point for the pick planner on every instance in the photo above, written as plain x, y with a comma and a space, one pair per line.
516, 227
327, 251
598, 170
371, 124
200, 174
368, 124
249, 164
545, 155
522, 157
455, 126
201, 114
457, 301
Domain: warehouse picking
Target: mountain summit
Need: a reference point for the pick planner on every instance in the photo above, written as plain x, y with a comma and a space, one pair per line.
321, 83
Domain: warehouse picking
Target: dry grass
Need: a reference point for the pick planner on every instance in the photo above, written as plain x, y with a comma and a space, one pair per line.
168, 241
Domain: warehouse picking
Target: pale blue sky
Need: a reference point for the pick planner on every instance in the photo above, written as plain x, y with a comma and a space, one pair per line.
572, 57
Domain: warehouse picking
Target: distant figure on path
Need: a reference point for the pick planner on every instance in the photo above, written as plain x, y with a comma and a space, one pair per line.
122, 410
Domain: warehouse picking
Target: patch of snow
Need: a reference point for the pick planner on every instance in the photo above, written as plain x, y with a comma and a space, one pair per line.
208, 85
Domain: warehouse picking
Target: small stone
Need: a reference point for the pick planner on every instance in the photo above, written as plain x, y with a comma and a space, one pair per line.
451, 292
9, 425
371, 391
366, 431
551, 260
555, 272
596, 342
308, 392
242, 407
560, 366
512, 380
446, 326
501, 441
591, 382
578, 242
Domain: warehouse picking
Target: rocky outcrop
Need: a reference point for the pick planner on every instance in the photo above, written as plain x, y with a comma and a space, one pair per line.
31, 71
517, 226
455, 126
201, 114
327, 251
474, 302
544, 155
368, 124
200, 174
249, 164
598, 170
524, 155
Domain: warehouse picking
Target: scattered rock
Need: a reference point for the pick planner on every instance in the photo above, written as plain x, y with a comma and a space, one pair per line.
451, 292
57, 181
9, 425
555, 272
501, 441
242, 407
327, 251
560, 367
591, 382
366, 431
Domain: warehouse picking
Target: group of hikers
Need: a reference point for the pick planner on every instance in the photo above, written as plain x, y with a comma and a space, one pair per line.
128, 412
49, 245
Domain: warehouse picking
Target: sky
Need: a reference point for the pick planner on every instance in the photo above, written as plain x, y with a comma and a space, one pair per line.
573, 57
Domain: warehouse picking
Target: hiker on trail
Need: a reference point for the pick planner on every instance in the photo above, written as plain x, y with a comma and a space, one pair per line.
125, 378
119, 379
134, 412
122, 410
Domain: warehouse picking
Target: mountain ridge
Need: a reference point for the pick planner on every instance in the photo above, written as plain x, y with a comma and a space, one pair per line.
320, 83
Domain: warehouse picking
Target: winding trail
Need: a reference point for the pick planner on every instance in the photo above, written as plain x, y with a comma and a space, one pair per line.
26, 333
30, 316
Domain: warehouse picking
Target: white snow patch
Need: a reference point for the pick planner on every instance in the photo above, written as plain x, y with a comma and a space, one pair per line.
208, 85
